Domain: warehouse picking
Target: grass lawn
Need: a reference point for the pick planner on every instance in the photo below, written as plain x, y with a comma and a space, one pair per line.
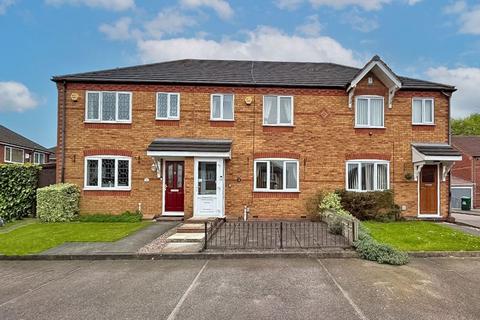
38, 237
422, 236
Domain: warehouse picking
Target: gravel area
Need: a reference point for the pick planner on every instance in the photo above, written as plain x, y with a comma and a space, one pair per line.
157, 245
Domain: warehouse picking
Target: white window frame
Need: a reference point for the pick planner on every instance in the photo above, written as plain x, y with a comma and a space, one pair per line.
221, 95
11, 154
278, 124
359, 172
268, 161
35, 154
100, 106
99, 187
423, 122
369, 125
168, 117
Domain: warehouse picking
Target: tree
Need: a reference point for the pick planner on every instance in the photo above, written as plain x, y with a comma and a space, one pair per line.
469, 126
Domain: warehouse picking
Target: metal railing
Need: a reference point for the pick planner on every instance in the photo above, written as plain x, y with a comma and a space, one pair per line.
277, 235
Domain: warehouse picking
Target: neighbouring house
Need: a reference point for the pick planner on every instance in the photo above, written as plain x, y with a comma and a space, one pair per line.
466, 173
210, 138
15, 148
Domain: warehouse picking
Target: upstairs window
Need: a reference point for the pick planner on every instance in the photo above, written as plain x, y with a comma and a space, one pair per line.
278, 111
38, 158
422, 111
222, 107
107, 173
13, 155
276, 175
108, 106
369, 112
367, 175
168, 106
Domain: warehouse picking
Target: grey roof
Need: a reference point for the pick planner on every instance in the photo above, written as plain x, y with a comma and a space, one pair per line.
238, 72
436, 149
7, 136
192, 145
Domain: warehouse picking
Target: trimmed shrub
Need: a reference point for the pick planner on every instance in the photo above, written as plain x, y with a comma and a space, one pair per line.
332, 212
378, 205
127, 216
18, 183
371, 249
58, 202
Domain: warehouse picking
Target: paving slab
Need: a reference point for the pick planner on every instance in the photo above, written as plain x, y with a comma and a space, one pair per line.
181, 247
186, 237
468, 219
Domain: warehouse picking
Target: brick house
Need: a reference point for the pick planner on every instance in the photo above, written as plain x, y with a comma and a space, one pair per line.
218, 138
15, 148
466, 173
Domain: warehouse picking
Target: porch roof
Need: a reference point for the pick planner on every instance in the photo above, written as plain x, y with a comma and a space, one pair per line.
189, 147
435, 152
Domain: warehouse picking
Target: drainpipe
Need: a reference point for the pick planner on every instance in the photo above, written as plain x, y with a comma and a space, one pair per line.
449, 143
64, 112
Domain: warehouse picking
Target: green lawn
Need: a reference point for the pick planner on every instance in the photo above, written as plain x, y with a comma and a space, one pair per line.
38, 237
422, 236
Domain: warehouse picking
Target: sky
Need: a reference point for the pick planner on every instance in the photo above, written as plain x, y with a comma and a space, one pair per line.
428, 39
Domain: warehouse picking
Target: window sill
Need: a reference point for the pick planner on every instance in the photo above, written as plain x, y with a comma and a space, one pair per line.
423, 124
276, 194
368, 128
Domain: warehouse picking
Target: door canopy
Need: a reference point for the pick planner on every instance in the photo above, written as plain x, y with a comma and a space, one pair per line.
431, 153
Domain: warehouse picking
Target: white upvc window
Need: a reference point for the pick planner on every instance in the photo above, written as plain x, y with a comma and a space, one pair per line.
222, 107
108, 173
423, 111
108, 107
168, 106
369, 112
276, 175
277, 110
367, 175
38, 158
14, 155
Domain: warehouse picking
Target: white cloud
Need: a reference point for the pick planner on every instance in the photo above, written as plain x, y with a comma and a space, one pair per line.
115, 5
4, 4
288, 4
168, 21
221, 7
413, 2
360, 22
258, 45
311, 27
340, 4
15, 96
468, 17
465, 101
119, 30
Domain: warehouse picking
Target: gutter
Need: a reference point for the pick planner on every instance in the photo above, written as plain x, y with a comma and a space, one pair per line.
64, 112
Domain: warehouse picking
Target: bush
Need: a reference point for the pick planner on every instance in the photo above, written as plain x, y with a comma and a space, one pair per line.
124, 217
58, 202
378, 205
372, 250
18, 183
332, 212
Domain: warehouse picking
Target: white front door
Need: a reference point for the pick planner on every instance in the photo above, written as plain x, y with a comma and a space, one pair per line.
209, 187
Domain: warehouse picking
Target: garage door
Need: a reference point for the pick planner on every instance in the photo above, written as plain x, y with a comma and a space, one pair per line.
458, 193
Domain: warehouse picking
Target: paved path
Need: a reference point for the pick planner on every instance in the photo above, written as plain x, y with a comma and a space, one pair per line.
130, 244
472, 220
276, 288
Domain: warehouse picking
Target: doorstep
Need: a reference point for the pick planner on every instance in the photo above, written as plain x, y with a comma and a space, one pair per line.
187, 237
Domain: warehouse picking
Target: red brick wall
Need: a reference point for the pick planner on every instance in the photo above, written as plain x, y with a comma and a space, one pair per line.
476, 175
323, 138
463, 169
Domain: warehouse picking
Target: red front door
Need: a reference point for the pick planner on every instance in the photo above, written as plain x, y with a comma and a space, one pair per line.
174, 186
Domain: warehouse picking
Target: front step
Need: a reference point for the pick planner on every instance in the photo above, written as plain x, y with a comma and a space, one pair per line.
187, 237
193, 228
169, 218
200, 220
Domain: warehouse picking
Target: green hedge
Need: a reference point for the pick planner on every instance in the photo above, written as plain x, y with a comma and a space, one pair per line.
377, 205
124, 217
18, 183
58, 202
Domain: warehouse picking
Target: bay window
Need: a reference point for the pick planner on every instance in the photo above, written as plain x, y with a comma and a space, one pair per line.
14, 155
369, 112
276, 175
422, 111
168, 106
108, 106
367, 175
221, 108
278, 111
107, 173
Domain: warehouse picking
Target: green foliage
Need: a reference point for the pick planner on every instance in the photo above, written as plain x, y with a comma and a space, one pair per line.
58, 202
371, 249
18, 183
469, 126
378, 205
332, 212
124, 217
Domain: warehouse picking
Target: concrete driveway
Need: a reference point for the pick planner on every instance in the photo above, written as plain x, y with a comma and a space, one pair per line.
443, 288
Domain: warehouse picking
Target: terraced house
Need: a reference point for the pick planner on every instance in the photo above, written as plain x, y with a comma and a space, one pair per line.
213, 138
